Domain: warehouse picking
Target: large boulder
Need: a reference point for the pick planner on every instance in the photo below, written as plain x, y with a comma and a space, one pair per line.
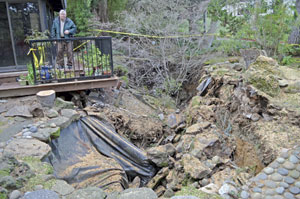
62, 188
51, 113
13, 174
185, 144
62, 104
27, 147
142, 193
202, 142
46, 133
61, 121
160, 155
88, 193
41, 194
264, 82
174, 120
191, 192
250, 55
22, 111
194, 167
158, 177
70, 113
264, 75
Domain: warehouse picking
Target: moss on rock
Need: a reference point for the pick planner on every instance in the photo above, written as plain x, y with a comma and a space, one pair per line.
264, 82
38, 180
215, 60
55, 134
293, 88
192, 191
196, 101
40, 169
266, 65
3, 195
4, 172
62, 104
263, 74
37, 166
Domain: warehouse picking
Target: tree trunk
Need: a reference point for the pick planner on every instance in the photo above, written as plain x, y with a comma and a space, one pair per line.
207, 40
295, 34
102, 11
46, 98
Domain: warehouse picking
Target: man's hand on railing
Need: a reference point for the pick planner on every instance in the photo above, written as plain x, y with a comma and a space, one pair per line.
67, 32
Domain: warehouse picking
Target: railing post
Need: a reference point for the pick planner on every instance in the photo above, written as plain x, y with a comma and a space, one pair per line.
111, 58
32, 60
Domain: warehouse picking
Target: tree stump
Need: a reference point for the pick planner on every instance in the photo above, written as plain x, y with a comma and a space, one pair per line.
46, 98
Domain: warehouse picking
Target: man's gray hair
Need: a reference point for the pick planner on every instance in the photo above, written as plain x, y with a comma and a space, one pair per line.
62, 11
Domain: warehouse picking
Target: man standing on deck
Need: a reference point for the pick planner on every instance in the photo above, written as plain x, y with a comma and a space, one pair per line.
63, 28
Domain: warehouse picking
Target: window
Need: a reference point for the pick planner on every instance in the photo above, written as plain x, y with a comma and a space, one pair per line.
24, 19
6, 50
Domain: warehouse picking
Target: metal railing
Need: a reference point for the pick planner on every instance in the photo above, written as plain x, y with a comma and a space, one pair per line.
89, 58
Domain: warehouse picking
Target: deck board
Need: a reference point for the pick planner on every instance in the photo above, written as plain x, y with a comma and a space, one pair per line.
15, 90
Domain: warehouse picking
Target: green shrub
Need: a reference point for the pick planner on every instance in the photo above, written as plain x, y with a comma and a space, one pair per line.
232, 47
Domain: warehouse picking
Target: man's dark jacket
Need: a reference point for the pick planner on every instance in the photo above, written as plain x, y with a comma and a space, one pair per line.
69, 25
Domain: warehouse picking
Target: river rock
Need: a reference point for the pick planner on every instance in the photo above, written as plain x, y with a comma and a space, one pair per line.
227, 188
33, 129
88, 193
283, 83
27, 133
27, 147
52, 125
38, 187
2, 145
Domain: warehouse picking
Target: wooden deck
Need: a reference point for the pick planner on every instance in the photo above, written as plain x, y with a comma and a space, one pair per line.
15, 90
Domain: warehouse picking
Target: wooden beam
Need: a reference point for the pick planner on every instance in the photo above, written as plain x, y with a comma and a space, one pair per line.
17, 90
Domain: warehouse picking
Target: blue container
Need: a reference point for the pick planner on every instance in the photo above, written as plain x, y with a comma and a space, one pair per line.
46, 72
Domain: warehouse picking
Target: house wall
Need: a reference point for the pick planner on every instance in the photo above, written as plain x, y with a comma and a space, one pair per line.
235, 9
43, 11
16, 22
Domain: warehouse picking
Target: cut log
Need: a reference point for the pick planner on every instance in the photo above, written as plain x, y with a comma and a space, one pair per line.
46, 98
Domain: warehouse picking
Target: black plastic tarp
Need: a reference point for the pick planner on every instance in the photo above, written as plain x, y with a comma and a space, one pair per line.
82, 150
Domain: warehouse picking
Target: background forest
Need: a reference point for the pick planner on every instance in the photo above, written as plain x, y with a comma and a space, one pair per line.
164, 66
